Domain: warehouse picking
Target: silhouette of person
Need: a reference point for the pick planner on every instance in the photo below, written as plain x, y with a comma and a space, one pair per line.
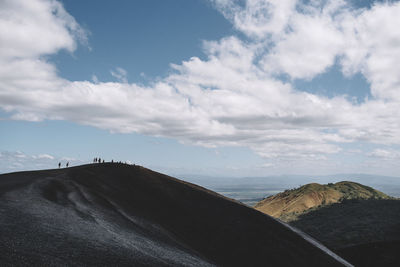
103, 161
67, 164
112, 161
95, 160
59, 165
99, 160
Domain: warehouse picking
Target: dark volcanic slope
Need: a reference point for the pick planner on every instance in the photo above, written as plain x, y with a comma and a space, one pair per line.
365, 232
120, 215
353, 222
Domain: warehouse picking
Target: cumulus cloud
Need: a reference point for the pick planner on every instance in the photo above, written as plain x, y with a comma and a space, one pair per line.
234, 96
373, 48
255, 18
21, 22
311, 45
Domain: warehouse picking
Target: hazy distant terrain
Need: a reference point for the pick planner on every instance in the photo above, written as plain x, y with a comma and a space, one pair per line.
250, 190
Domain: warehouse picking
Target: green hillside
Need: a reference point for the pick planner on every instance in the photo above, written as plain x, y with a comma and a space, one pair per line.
290, 204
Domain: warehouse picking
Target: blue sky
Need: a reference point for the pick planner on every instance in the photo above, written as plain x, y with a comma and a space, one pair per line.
139, 36
211, 87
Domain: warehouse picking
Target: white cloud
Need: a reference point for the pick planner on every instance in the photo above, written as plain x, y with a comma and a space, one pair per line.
23, 22
17, 154
231, 98
385, 154
95, 79
68, 159
257, 18
16, 160
310, 47
373, 48
45, 156
120, 74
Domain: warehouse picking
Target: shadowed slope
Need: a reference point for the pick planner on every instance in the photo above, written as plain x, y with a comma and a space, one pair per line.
113, 214
365, 232
373, 254
353, 222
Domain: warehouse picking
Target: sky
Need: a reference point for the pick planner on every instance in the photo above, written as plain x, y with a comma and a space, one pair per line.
209, 87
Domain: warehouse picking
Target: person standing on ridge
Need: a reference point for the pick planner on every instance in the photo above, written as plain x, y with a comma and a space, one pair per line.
67, 164
59, 165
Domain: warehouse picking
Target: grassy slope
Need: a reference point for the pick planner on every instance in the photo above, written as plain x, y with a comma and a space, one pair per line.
290, 204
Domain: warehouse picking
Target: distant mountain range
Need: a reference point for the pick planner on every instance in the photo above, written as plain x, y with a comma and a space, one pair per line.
121, 215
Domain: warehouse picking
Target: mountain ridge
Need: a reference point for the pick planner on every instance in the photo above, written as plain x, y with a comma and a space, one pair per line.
117, 214
288, 205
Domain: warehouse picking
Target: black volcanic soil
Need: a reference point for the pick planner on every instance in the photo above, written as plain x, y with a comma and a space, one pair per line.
353, 222
373, 254
121, 215
365, 232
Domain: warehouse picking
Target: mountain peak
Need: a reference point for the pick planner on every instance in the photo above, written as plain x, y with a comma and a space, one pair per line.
291, 203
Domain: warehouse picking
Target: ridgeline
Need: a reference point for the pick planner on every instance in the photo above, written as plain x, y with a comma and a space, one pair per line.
113, 214
290, 204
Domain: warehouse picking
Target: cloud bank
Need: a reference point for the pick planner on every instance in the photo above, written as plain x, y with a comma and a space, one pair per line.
234, 97
17, 160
